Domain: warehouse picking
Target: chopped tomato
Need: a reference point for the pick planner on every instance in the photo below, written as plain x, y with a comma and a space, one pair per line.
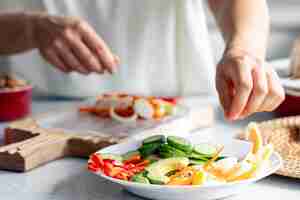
125, 112
89, 109
172, 100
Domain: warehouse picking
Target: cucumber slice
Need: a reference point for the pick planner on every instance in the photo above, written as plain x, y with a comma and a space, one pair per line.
194, 155
221, 158
197, 162
165, 154
180, 143
167, 151
140, 178
205, 149
148, 149
129, 154
171, 173
111, 157
155, 180
154, 139
152, 158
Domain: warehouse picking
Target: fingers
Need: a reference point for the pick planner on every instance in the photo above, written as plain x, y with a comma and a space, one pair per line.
98, 46
259, 92
254, 88
223, 88
275, 95
76, 45
84, 55
243, 84
68, 57
55, 60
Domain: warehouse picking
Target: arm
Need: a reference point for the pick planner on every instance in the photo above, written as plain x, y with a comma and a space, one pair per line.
244, 82
16, 33
243, 24
68, 43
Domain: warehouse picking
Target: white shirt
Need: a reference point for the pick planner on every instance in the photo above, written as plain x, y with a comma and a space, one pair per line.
163, 46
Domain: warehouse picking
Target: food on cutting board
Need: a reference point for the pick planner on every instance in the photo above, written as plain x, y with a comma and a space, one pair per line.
174, 160
8, 81
129, 108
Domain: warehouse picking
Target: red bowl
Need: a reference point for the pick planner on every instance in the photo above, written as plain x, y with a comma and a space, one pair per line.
291, 105
15, 103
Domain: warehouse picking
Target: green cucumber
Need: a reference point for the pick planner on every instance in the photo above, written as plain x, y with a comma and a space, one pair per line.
152, 158
171, 173
111, 157
197, 162
154, 139
220, 158
167, 151
166, 154
180, 143
129, 154
205, 149
148, 149
194, 155
140, 178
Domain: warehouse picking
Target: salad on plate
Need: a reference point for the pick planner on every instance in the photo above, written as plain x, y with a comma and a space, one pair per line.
174, 160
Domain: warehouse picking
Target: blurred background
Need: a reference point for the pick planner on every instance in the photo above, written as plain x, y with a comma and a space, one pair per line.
285, 25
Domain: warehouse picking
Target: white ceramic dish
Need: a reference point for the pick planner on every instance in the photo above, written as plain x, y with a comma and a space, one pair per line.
207, 192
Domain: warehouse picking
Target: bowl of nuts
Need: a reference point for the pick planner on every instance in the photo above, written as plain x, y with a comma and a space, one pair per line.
15, 97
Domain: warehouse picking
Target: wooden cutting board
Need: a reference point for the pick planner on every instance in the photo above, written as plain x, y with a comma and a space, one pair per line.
36, 141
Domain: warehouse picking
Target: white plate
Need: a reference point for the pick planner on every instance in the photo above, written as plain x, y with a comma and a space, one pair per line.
233, 147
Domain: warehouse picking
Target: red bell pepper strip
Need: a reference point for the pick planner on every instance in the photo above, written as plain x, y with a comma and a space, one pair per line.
128, 166
122, 176
97, 160
93, 168
134, 159
143, 163
115, 171
136, 170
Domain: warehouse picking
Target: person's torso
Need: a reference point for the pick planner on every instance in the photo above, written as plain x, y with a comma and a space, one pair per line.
163, 46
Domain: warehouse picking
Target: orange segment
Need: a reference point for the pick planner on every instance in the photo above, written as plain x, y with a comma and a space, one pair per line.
246, 175
199, 177
253, 135
213, 159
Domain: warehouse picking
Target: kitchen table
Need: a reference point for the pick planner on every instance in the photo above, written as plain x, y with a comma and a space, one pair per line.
68, 179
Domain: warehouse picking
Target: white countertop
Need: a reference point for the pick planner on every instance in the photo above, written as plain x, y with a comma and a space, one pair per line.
68, 179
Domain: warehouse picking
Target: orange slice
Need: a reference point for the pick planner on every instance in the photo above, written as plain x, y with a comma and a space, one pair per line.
253, 135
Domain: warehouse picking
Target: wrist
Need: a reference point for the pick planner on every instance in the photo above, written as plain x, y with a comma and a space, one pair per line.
29, 28
241, 46
33, 20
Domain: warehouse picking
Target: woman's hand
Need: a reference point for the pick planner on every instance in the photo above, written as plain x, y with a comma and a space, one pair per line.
71, 44
246, 86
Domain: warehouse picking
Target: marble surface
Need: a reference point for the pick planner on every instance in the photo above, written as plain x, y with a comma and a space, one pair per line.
68, 179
